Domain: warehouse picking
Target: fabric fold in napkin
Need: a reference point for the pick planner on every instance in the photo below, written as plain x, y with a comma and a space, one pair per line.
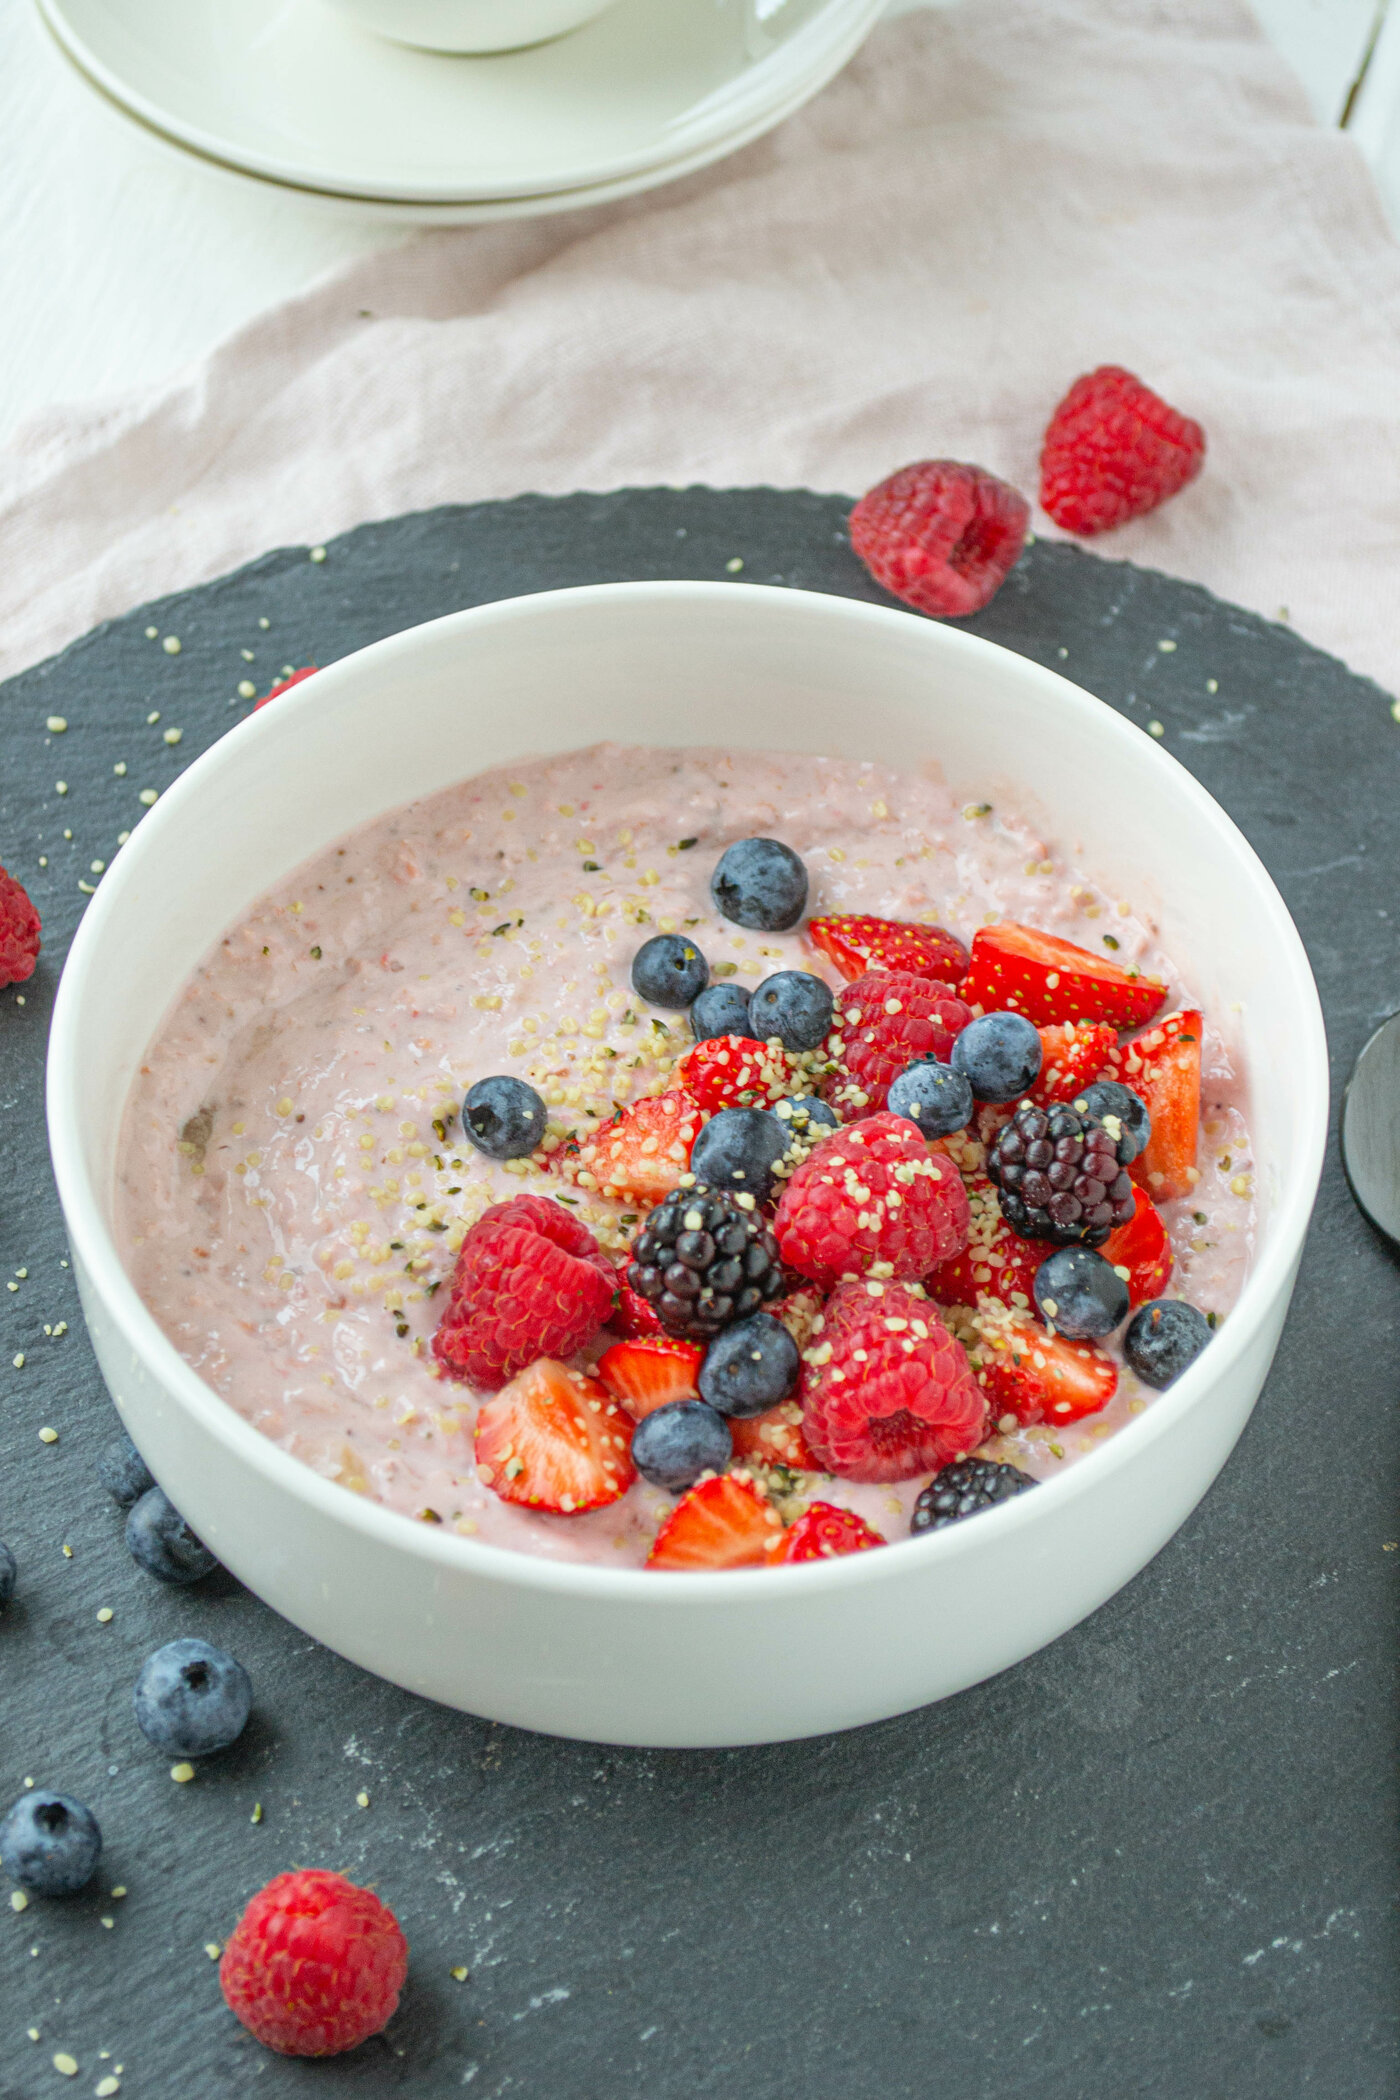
991, 199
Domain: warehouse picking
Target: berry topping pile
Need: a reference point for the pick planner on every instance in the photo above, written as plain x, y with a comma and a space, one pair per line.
875, 1224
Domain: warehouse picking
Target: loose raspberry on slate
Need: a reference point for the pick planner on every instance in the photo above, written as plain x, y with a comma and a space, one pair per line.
871, 1198
554, 1440
19, 932
824, 1531
941, 535
530, 1281
887, 1392
1114, 450
856, 943
284, 685
883, 1021
315, 1965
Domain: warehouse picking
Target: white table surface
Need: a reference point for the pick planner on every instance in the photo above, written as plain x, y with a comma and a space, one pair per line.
119, 263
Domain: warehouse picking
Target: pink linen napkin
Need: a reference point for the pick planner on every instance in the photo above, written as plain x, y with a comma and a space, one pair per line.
989, 201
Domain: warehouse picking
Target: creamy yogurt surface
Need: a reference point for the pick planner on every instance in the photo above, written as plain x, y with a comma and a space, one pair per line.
293, 1182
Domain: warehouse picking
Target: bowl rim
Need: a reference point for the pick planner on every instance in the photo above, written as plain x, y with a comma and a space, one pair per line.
95, 1251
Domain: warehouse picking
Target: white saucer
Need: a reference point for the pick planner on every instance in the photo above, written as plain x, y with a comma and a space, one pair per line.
289, 91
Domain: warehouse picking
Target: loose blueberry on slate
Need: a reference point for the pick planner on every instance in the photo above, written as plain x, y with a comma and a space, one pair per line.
806, 1118
668, 970
998, 1055
503, 1117
9, 1575
160, 1541
50, 1843
721, 1009
1164, 1338
933, 1096
191, 1699
1081, 1294
964, 1489
674, 1445
1107, 1098
749, 1367
760, 883
123, 1472
795, 1006
737, 1150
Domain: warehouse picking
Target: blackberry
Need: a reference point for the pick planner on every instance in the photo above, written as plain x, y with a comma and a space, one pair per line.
703, 1259
1060, 1176
964, 1489
1105, 1098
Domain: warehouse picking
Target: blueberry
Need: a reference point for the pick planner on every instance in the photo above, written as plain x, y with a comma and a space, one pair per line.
674, 1445
806, 1118
721, 1009
9, 1574
999, 1056
159, 1539
668, 970
504, 1118
49, 1843
795, 1006
935, 1097
1081, 1293
760, 883
1107, 1098
749, 1367
1164, 1338
738, 1150
191, 1699
123, 1472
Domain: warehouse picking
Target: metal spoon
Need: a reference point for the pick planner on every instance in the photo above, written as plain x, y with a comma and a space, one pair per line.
1371, 1129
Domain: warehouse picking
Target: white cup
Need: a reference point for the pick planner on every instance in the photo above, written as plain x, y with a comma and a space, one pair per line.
471, 25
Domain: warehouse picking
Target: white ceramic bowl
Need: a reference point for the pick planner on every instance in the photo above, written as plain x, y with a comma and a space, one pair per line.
619, 1655
470, 25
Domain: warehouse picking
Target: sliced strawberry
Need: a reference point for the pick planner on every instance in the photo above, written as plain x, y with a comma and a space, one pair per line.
774, 1439
1037, 1376
823, 1531
995, 1263
855, 942
285, 685
1051, 981
552, 1439
645, 1150
722, 1522
1141, 1249
729, 1071
651, 1372
1071, 1056
1164, 1067
631, 1315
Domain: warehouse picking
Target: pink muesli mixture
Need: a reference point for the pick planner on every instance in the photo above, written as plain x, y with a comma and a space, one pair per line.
295, 1183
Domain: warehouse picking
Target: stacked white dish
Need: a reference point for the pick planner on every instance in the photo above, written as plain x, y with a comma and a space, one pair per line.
296, 94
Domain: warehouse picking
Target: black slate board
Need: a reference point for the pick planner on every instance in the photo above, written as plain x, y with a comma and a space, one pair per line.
1157, 1859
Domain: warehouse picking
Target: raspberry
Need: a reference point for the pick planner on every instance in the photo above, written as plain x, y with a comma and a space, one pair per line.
941, 535
19, 932
887, 1392
872, 1194
314, 1965
1114, 450
530, 1281
1060, 1176
883, 1021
